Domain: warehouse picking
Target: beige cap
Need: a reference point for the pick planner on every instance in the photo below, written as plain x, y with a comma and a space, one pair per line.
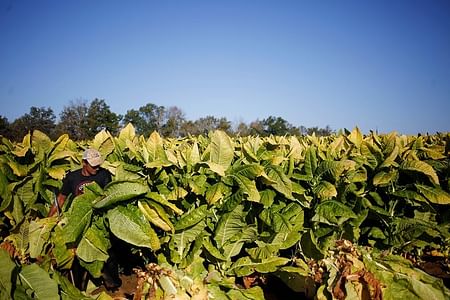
93, 157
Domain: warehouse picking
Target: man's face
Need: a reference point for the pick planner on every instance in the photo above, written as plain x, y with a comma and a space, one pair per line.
92, 170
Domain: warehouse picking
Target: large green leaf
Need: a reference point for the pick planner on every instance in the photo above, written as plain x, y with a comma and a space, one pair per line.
26, 192
222, 149
280, 181
383, 178
6, 275
298, 279
244, 266
192, 217
181, 242
368, 156
229, 225
248, 186
234, 245
94, 268
68, 290
39, 235
103, 142
325, 190
194, 155
216, 193
40, 142
212, 250
20, 237
161, 199
156, 215
287, 225
250, 171
267, 197
410, 195
356, 137
263, 250
64, 257
310, 162
38, 282
390, 160
21, 149
93, 246
155, 147
333, 213
310, 247
79, 216
5, 193
401, 280
334, 169
121, 191
420, 167
434, 194
129, 224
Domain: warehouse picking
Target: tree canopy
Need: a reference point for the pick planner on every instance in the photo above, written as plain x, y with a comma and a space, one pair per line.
82, 120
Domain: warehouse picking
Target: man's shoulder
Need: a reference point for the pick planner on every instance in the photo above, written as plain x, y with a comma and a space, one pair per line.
104, 172
73, 173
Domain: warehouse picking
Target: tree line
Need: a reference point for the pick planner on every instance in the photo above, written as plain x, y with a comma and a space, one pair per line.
82, 120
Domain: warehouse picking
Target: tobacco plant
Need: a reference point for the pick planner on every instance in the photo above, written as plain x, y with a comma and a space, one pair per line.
206, 213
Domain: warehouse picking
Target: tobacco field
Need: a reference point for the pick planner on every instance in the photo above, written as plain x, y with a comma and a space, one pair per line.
347, 216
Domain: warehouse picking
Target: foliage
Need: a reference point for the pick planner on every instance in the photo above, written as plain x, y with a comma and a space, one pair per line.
216, 209
100, 117
81, 120
146, 119
4, 127
39, 118
73, 121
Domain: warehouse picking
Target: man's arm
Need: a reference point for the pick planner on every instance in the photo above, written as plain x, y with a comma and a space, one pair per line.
60, 199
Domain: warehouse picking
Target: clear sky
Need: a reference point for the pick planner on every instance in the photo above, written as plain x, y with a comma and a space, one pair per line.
378, 65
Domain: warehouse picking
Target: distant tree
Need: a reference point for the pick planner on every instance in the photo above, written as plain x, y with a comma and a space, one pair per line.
100, 117
320, 131
42, 119
303, 130
132, 116
224, 125
146, 119
242, 129
4, 127
210, 123
257, 128
187, 128
271, 125
73, 120
276, 126
174, 119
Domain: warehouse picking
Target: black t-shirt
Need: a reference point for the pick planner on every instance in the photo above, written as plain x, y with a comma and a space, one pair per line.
74, 182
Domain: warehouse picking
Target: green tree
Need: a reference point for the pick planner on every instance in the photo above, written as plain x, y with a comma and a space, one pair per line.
210, 123
187, 128
276, 126
320, 131
4, 127
224, 125
146, 119
73, 120
42, 119
100, 117
174, 119
242, 129
257, 128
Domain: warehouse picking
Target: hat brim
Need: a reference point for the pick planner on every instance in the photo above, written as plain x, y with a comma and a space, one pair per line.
97, 161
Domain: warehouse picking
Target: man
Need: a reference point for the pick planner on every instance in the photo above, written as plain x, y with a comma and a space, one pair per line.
75, 181
73, 184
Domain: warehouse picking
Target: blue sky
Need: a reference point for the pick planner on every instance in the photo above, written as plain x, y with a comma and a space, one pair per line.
378, 65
